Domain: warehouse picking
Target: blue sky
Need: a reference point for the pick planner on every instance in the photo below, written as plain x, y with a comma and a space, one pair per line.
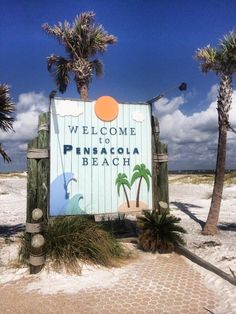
155, 51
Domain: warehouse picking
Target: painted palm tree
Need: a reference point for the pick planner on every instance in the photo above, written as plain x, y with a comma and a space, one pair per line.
82, 41
7, 107
122, 180
140, 172
222, 61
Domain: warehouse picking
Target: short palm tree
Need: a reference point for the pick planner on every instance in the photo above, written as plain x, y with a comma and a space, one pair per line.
122, 180
7, 107
222, 61
82, 40
159, 231
140, 172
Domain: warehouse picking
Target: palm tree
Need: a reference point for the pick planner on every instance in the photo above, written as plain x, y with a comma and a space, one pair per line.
159, 231
222, 61
82, 41
122, 180
140, 172
7, 107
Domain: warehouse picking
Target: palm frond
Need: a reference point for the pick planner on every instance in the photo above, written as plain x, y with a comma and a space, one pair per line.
208, 58
137, 168
60, 68
97, 65
7, 107
118, 188
146, 178
122, 180
55, 30
99, 39
228, 51
135, 176
228, 43
126, 182
159, 231
4, 154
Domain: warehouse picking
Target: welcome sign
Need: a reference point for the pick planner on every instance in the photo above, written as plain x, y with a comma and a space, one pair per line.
100, 157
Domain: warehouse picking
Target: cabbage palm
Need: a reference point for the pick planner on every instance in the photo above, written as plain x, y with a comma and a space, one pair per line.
140, 172
122, 180
222, 61
82, 41
7, 107
159, 231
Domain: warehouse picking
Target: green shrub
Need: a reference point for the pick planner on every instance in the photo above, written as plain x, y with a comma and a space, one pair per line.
159, 232
72, 240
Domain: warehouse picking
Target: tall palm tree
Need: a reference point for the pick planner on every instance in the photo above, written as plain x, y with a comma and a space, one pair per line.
140, 172
122, 180
82, 41
222, 61
7, 107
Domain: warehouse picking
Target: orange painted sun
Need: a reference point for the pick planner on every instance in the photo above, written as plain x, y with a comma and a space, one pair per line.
106, 108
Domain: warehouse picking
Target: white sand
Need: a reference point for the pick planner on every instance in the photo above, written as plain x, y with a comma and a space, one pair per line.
193, 201
189, 202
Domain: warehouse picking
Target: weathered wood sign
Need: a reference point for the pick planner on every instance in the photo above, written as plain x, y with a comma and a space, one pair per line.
100, 157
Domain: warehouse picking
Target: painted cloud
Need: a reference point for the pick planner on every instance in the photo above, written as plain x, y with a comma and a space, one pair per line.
69, 108
138, 116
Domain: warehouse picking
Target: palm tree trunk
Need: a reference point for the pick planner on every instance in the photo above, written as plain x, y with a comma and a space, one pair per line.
83, 90
210, 227
223, 107
138, 192
126, 196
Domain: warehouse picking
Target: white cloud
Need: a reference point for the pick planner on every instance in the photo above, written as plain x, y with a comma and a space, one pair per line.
213, 93
22, 147
28, 108
164, 106
192, 140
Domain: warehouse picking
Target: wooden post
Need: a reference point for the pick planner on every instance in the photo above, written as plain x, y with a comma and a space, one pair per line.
162, 178
155, 137
37, 190
43, 165
32, 179
160, 186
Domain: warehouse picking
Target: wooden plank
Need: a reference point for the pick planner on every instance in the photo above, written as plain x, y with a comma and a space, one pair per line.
162, 157
37, 261
33, 227
198, 260
37, 153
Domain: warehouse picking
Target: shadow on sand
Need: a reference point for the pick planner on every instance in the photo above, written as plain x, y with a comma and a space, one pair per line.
10, 230
227, 226
184, 207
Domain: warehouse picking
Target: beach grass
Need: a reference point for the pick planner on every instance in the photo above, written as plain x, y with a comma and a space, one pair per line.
230, 178
71, 241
